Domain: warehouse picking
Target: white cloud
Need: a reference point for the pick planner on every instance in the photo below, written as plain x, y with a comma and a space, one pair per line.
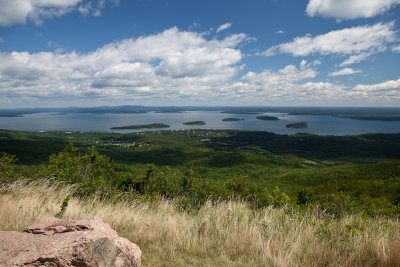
287, 75
345, 71
387, 92
173, 66
355, 59
358, 42
18, 11
15, 11
280, 32
282, 85
396, 48
167, 65
392, 85
194, 26
348, 9
290, 85
224, 27
269, 52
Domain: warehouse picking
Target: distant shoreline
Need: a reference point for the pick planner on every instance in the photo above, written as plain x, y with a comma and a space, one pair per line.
139, 127
355, 113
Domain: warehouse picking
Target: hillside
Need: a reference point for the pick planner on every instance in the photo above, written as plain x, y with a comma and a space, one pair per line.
217, 197
363, 171
219, 233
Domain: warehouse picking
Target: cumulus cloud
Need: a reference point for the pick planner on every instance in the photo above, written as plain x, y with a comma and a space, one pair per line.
166, 65
349, 9
385, 92
224, 27
345, 71
285, 76
392, 85
280, 32
358, 42
18, 11
296, 85
169, 66
396, 48
12, 12
287, 84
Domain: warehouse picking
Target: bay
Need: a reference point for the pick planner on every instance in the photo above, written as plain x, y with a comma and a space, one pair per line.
87, 122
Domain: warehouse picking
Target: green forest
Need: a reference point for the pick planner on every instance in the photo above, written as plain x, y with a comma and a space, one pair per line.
340, 175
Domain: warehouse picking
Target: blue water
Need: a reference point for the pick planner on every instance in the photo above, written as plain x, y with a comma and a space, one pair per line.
322, 125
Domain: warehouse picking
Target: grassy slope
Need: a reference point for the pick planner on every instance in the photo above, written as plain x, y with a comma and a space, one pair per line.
225, 233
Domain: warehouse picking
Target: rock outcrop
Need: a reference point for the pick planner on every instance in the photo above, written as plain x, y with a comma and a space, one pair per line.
64, 243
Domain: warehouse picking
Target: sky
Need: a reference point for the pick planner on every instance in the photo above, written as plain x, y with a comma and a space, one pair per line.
59, 53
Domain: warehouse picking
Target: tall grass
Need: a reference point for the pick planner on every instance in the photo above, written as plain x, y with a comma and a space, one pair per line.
224, 233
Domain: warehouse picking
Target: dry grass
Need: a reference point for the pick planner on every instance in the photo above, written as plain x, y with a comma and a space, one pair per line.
227, 233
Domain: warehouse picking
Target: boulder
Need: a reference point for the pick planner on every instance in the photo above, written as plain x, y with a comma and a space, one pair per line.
56, 242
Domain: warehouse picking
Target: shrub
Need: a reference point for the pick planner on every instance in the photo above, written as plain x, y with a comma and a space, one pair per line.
7, 172
91, 171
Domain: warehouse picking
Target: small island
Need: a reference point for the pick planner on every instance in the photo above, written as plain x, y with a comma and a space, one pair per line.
242, 112
298, 125
139, 127
232, 119
267, 118
195, 123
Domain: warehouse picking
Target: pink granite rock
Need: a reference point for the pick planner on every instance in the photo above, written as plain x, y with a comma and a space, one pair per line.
55, 242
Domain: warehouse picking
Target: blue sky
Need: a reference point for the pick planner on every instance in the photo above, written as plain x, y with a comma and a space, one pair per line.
56, 53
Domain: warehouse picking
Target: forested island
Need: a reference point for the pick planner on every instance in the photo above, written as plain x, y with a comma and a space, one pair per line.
232, 119
242, 112
267, 118
194, 123
300, 125
139, 127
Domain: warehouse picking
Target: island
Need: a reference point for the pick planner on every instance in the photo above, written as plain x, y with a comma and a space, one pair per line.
302, 125
139, 127
242, 112
232, 119
267, 118
195, 123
